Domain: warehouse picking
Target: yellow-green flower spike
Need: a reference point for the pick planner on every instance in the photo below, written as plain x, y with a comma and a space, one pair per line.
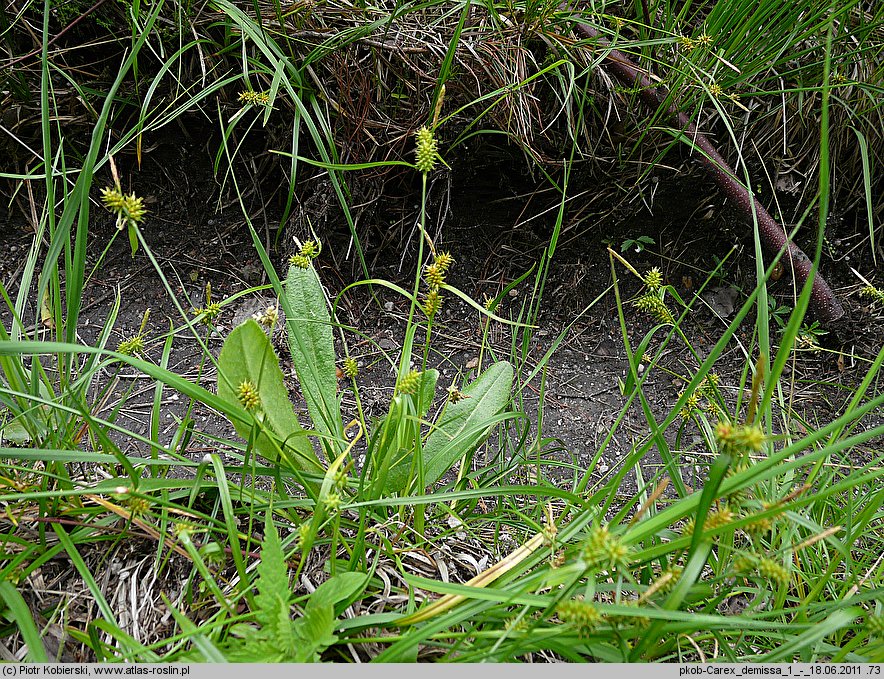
254, 98
653, 279
309, 249
582, 615
432, 302
434, 276
427, 150
601, 549
739, 439
351, 368
300, 261
409, 382
332, 502
131, 346
651, 304
247, 393
774, 571
129, 209
873, 293
444, 260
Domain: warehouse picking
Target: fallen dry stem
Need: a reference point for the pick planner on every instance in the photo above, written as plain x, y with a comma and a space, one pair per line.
823, 304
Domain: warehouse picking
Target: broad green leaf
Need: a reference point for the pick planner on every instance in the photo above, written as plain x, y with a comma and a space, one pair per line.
313, 350
427, 390
16, 430
316, 628
247, 356
316, 632
341, 588
462, 426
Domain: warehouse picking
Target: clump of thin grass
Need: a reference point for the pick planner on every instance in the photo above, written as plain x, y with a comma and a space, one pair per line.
783, 523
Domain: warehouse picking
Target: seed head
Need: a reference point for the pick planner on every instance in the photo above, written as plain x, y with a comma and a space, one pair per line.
254, 98
432, 302
444, 260
582, 615
309, 249
129, 209
603, 550
655, 307
653, 279
131, 346
409, 382
138, 505
300, 261
873, 293
774, 571
427, 150
212, 310
248, 395
739, 439
746, 563
455, 395
434, 275
332, 502
718, 518
351, 368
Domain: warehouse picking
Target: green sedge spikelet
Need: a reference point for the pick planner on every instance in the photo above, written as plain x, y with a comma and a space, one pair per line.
131, 346
739, 439
432, 303
249, 97
300, 261
332, 502
653, 279
582, 615
309, 249
129, 209
247, 394
601, 549
427, 150
444, 260
720, 517
351, 368
774, 571
655, 307
409, 382
434, 276
873, 293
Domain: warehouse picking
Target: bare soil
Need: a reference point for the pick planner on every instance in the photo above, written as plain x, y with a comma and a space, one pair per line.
496, 220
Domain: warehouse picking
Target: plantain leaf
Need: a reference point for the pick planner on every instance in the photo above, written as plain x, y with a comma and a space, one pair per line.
427, 390
248, 357
313, 351
462, 426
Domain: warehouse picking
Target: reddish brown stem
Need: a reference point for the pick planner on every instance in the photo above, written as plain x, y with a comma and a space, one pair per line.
823, 304
10, 64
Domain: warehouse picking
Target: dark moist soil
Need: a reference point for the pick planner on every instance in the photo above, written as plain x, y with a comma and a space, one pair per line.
497, 221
